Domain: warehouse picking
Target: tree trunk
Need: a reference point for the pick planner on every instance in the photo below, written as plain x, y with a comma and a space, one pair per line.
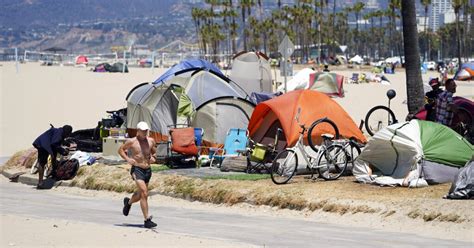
415, 94
458, 39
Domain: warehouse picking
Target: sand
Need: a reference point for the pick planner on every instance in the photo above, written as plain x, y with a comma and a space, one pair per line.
39, 95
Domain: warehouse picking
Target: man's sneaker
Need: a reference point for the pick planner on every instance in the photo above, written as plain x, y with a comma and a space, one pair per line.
126, 206
149, 223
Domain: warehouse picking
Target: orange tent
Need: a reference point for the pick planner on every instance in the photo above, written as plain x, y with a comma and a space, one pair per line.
280, 112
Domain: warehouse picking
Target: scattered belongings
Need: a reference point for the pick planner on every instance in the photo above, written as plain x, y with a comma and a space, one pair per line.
252, 72
280, 112
463, 185
412, 154
106, 67
358, 78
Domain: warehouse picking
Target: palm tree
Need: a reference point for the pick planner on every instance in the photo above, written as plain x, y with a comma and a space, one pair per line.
457, 4
357, 8
415, 95
245, 8
426, 4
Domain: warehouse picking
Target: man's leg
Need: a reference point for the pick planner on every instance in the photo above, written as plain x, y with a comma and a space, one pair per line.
40, 173
143, 189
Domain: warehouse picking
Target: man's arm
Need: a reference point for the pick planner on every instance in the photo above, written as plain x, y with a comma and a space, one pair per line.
153, 151
123, 152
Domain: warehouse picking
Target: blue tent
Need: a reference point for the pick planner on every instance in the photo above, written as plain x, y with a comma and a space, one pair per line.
188, 64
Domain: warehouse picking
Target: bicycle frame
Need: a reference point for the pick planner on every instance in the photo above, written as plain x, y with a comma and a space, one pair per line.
299, 146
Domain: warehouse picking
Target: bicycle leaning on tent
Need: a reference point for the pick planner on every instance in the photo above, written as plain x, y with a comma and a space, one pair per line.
380, 116
330, 160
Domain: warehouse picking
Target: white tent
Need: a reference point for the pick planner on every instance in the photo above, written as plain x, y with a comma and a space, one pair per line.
252, 72
356, 59
299, 81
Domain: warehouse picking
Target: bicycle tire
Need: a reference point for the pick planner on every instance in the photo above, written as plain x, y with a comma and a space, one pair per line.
391, 119
354, 149
281, 174
311, 143
336, 166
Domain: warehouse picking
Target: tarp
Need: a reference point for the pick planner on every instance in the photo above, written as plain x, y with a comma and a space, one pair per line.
328, 83
219, 115
463, 185
257, 98
299, 81
252, 72
281, 111
185, 65
356, 59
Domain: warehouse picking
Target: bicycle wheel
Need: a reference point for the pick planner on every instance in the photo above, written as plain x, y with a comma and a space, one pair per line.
333, 162
354, 151
377, 118
321, 126
284, 166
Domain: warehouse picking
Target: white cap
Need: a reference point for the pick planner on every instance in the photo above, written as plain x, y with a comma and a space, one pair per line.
142, 126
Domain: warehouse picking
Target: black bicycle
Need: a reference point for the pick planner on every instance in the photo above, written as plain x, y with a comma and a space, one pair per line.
380, 116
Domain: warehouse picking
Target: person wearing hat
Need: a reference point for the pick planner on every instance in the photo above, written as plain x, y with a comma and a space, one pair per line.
431, 97
142, 153
50, 143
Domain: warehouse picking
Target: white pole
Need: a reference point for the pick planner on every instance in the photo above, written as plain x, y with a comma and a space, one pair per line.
153, 62
24, 56
16, 60
162, 60
116, 56
123, 67
284, 72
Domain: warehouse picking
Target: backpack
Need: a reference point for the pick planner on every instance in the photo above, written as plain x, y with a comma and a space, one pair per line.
66, 169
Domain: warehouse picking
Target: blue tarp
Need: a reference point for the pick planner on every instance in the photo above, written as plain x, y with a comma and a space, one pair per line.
188, 64
469, 65
257, 98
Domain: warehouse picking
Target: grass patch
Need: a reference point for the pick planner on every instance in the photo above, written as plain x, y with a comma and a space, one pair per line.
240, 177
158, 168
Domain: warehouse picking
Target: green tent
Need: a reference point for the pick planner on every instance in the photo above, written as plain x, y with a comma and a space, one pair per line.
413, 150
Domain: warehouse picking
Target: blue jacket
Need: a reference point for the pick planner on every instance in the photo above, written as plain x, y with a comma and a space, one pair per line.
50, 140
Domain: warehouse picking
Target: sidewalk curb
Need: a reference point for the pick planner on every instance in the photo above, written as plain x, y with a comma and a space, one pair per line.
30, 179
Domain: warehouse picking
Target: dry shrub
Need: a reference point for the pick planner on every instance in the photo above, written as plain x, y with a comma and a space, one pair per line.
317, 205
431, 216
336, 208
363, 209
16, 160
415, 214
450, 218
389, 213
103, 177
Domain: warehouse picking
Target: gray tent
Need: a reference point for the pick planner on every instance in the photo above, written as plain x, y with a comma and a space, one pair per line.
161, 105
219, 115
252, 72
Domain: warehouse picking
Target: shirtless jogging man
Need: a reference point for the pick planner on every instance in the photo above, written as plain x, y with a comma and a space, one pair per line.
143, 151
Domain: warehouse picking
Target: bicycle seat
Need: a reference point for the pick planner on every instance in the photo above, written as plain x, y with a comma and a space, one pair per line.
327, 136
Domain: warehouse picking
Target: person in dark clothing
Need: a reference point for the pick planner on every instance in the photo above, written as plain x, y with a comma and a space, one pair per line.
50, 143
431, 97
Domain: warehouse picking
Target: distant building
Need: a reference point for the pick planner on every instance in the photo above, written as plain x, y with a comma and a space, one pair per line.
438, 9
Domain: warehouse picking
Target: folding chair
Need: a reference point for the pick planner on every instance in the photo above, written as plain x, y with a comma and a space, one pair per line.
235, 144
355, 78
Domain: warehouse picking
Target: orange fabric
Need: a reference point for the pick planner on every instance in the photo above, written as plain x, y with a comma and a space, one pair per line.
183, 141
314, 105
